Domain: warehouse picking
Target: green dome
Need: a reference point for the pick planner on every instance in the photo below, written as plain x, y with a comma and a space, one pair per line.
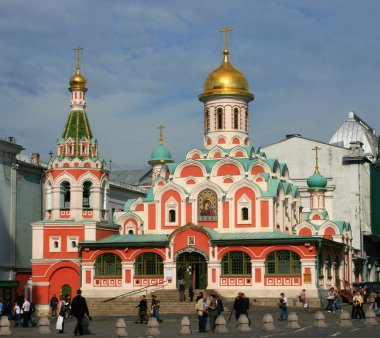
317, 181
161, 154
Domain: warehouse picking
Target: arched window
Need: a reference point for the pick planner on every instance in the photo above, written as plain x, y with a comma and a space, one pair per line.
65, 195
86, 194
283, 262
219, 115
236, 263
149, 264
108, 265
236, 118
245, 214
172, 217
207, 120
49, 196
246, 121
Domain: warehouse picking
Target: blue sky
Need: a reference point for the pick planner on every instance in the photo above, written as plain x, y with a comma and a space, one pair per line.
308, 63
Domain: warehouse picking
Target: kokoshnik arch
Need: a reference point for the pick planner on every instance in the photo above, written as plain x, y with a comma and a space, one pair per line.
226, 213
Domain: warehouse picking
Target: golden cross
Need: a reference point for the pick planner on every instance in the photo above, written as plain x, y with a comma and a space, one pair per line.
225, 30
161, 127
78, 50
316, 148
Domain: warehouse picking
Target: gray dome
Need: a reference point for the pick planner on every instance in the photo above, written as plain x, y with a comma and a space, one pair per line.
355, 129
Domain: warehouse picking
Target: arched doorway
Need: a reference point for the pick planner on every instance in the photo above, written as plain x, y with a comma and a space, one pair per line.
66, 290
195, 266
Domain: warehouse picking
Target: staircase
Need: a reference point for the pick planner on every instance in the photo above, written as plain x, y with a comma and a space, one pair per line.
169, 303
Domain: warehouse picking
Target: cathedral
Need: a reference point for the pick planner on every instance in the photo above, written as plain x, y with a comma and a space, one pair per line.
226, 214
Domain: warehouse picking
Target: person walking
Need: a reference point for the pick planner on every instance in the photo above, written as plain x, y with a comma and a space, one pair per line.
302, 298
156, 308
61, 314
212, 312
201, 308
238, 306
26, 312
17, 314
245, 306
181, 288
79, 309
53, 305
200, 296
283, 305
143, 308
357, 306
191, 291
219, 305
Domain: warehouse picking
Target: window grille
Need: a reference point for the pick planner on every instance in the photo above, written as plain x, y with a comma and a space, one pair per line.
283, 262
236, 118
149, 264
220, 118
171, 216
236, 263
108, 265
86, 194
244, 214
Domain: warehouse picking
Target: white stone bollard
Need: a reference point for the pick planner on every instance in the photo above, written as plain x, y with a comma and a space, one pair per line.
345, 319
370, 318
152, 327
268, 323
293, 321
319, 319
5, 326
44, 326
121, 328
220, 324
185, 325
243, 324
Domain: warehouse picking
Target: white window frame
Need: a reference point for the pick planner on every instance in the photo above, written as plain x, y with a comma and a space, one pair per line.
191, 240
171, 204
244, 202
52, 240
70, 240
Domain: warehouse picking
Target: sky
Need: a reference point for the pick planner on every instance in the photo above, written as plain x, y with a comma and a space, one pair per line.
308, 64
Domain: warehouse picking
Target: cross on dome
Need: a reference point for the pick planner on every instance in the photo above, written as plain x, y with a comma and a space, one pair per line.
225, 30
78, 49
161, 127
316, 148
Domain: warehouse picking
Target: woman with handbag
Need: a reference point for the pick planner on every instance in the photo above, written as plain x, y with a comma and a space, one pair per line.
61, 311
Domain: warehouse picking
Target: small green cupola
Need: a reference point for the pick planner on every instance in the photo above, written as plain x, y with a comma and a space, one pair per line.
316, 181
160, 154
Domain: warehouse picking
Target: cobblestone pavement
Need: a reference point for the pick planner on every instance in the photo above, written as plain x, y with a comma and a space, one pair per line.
171, 326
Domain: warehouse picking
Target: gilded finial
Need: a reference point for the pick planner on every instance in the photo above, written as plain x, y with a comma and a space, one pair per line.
316, 148
225, 30
78, 49
161, 127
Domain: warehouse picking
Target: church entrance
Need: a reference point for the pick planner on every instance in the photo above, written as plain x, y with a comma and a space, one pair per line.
195, 269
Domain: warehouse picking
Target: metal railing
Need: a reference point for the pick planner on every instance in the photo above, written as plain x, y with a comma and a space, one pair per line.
161, 285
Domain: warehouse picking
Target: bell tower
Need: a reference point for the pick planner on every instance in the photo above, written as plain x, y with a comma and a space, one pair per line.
226, 96
76, 179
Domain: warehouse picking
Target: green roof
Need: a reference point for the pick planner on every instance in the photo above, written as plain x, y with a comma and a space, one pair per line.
77, 128
161, 154
317, 181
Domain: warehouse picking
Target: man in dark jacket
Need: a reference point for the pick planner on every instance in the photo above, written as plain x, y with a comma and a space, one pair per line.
79, 309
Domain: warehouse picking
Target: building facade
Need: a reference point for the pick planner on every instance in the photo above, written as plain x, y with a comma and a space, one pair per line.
227, 215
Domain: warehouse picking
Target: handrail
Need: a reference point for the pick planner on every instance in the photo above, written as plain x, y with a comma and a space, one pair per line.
133, 292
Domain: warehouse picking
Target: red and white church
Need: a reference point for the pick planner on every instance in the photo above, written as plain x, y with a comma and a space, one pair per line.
227, 214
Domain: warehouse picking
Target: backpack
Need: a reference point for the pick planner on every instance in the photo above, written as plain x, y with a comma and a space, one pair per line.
32, 308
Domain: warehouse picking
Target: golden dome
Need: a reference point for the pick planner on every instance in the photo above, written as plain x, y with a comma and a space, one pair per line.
78, 81
226, 80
